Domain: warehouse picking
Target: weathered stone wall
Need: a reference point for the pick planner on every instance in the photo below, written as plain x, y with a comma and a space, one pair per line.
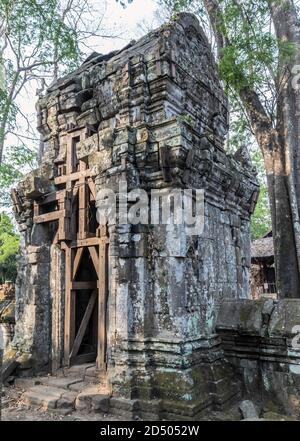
1, 363
158, 97
7, 312
259, 338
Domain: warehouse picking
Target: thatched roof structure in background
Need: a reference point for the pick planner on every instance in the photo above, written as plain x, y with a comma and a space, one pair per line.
262, 248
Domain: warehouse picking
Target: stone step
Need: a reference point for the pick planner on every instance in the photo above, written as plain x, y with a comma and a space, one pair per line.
26, 383
78, 387
124, 408
78, 370
49, 398
92, 398
63, 382
42, 396
92, 375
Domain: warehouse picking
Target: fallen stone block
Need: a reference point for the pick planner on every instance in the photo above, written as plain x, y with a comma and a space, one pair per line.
8, 367
248, 410
43, 396
91, 399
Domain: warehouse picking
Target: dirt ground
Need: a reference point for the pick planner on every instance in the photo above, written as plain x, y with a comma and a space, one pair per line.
14, 409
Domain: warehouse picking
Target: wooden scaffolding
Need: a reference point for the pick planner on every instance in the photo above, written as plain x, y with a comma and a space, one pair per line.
85, 244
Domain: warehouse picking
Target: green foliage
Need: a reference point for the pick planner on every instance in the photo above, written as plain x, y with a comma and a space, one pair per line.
251, 58
239, 130
261, 222
17, 161
36, 39
39, 23
261, 219
252, 48
239, 134
9, 246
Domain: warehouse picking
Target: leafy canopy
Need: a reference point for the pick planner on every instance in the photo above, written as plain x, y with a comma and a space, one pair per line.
9, 246
251, 57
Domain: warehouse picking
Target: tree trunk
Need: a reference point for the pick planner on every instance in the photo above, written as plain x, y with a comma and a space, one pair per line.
285, 243
281, 194
287, 29
3, 124
279, 147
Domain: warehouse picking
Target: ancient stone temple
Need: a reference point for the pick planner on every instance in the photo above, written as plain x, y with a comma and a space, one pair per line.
140, 300
7, 312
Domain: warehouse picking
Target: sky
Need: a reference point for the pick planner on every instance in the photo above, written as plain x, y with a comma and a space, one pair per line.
125, 24
127, 20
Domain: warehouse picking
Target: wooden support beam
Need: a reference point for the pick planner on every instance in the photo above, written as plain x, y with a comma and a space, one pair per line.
36, 209
102, 300
76, 190
73, 220
55, 239
83, 285
73, 177
92, 187
91, 241
94, 257
64, 226
78, 256
49, 217
82, 204
52, 197
71, 158
84, 323
69, 305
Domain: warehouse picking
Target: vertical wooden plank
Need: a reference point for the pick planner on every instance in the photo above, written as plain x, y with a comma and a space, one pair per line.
36, 209
102, 300
78, 255
69, 158
74, 217
94, 256
82, 204
64, 225
61, 220
69, 306
92, 188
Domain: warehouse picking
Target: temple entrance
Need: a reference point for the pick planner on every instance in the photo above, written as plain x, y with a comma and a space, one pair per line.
84, 318
86, 298
71, 209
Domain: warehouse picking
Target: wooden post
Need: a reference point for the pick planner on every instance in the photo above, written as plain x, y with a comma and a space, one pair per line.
71, 211
69, 306
102, 300
82, 204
